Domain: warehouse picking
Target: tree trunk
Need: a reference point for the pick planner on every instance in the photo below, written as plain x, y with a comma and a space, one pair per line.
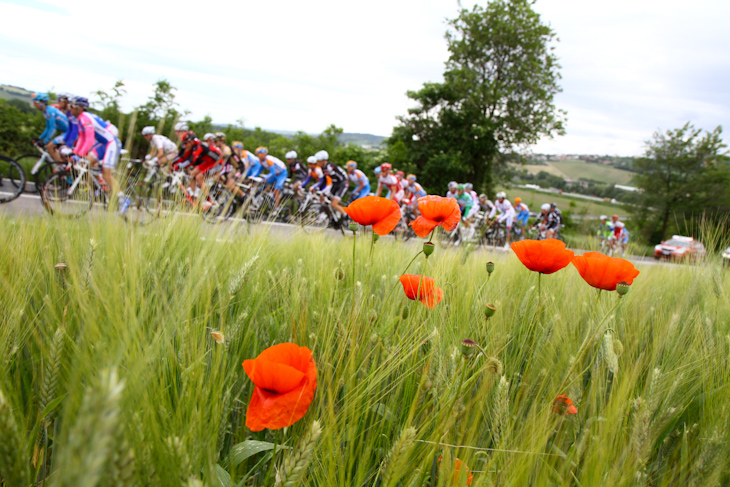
665, 223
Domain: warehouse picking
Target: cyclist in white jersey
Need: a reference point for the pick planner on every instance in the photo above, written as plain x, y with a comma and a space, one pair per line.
506, 214
451, 193
391, 182
163, 149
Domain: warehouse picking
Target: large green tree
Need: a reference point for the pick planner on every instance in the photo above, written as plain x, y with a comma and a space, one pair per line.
497, 96
683, 175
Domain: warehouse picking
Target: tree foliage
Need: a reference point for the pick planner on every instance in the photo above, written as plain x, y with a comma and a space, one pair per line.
497, 96
684, 174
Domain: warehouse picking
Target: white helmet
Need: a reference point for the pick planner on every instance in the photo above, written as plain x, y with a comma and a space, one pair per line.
290, 155
502, 194
208, 136
181, 127
546, 206
453, 185
322, 155
603, 217
619, 225
311, 160
148, 131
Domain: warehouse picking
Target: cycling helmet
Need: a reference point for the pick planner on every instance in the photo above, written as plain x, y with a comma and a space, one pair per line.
64, 96
482, 196
237, 144
614, 217
208, 136
619, 225
518, 200
322, 155
80, 101
311, 160
603, 217
189, 137
351, 164
453, 184
148, 131
262, 150
40, 97
377, 170
386, 166
460, 187
401, 174
554, 205
290, 155
469, 186
220, 135
546, 207
181, 127
501, 194
411, 177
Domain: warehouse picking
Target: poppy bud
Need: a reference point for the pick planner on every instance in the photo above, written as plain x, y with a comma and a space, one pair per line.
353, 226
339, 273
622, 288
489, 310
405, 313
375, 237
468, 348
428, 248
490, 268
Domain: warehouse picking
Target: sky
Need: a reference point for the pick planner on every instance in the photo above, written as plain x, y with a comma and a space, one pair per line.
629, 67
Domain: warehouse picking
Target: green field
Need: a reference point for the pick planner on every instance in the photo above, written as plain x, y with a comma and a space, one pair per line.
534, 199
575, 169
111, 375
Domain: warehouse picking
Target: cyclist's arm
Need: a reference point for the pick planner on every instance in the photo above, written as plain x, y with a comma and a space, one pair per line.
492, 212
380, 188
71, 135
47, 134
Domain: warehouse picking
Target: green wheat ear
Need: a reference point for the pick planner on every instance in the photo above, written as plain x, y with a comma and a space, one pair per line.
395, 463
51, 374
295, 466
13, 467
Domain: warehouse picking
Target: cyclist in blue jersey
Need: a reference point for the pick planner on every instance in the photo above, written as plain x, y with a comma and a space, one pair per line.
55, 120
362, 183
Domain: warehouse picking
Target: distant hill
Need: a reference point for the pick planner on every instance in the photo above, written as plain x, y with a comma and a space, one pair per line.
576, 169
362, 139
9, 92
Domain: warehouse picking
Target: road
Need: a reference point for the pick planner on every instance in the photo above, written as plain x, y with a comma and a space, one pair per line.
29, 204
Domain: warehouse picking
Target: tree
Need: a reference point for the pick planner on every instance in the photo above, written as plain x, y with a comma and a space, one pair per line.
683, 174
497, 96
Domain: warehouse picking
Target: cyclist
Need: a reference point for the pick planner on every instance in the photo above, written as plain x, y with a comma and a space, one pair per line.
334, 182
550, 222
469, 190
55, 120
413, 191
277, 171
164, 150
64, 104
391, 182
203, 157
97, 141
451, 193
486, 205
226, 151
506, 214
247, 158
605, 230
314, 174
620, 238
362, 183
181, 128
296, 168
522, 213
558, 213
468, 210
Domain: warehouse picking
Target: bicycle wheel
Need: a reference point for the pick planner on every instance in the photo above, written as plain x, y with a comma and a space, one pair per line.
12, 179
66, 195
219, 206
28, 162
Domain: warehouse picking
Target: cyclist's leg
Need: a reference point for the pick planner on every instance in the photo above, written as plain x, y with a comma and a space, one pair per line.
53, 145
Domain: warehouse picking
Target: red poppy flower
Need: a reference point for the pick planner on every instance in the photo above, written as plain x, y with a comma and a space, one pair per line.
457, 467
564, 405
545, 256
604, 272
435, 211
422, 288
383, 214
285, 377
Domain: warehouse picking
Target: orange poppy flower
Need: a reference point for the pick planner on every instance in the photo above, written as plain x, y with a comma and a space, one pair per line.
544, 256
604, 272
457, 467
435, 211
422, 288
564, 405
383, 214
285, 377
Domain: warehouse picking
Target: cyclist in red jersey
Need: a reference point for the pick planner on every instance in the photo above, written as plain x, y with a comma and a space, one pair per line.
391, 182
203, 158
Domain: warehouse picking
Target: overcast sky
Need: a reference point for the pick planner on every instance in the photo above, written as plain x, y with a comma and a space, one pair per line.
629, 67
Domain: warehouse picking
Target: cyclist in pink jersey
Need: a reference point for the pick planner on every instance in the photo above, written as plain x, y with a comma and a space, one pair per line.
391, 182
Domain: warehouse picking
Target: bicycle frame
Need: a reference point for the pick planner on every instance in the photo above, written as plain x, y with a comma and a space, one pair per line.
45, 156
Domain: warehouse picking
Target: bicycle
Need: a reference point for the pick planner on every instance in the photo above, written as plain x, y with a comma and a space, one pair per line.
42, 167
72, 192
13, 172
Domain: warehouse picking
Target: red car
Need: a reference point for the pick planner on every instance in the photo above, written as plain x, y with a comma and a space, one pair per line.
680, 248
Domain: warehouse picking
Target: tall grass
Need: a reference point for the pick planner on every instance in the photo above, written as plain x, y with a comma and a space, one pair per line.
110, 374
